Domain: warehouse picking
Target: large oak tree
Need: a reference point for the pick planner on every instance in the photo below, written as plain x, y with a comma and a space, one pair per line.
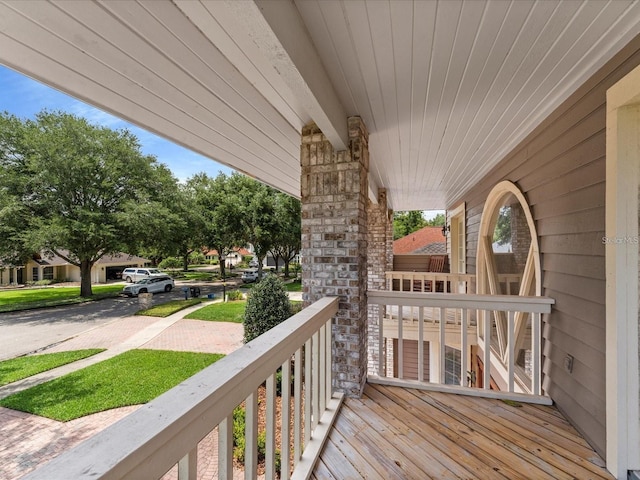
78, 190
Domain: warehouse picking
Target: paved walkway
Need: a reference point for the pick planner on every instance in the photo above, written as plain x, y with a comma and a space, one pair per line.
27, 441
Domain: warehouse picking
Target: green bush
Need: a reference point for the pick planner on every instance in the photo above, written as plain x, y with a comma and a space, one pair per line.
239, 440
196, 258
235, 295
267, 306
170, 262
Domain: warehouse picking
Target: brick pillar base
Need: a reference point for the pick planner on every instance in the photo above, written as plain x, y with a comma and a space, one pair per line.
334, 243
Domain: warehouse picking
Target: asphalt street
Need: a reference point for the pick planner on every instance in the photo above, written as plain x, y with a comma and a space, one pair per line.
33, 330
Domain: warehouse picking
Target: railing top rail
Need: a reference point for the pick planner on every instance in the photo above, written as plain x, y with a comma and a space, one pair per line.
440, 274
188, 412
462, 300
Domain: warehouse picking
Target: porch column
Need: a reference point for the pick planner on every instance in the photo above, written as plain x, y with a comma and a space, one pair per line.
334, 243
379, 261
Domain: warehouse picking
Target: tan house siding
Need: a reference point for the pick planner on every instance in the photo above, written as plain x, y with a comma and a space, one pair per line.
560, 168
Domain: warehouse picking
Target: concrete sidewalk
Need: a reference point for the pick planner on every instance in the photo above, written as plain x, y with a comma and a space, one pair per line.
27, 441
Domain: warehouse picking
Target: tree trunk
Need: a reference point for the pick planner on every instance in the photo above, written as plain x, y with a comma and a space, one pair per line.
185, 262
286, 268
85, 278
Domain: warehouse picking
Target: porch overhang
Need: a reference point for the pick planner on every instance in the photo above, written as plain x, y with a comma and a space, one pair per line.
446, 89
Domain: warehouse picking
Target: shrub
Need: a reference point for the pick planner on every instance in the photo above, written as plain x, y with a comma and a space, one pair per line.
267, 306
170, 262
235, 295
196, 258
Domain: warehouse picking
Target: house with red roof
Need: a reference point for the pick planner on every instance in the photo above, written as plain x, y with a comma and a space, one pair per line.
426, 241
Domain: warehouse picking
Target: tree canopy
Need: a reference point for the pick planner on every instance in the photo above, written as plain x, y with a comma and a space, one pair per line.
405, 223
78, 190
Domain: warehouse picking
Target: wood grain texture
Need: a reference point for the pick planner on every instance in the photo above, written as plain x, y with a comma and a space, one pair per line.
393, 432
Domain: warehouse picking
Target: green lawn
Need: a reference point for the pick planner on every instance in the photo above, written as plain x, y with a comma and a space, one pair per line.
170, 308
221, 312
23, 298
295, 286
195, 275
23, 367
131, 378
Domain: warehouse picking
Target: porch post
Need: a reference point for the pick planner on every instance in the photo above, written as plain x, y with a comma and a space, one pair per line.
622, 268
379, 261
334, 243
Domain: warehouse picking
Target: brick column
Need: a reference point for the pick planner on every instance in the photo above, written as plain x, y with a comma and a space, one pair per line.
334, 243
379, 260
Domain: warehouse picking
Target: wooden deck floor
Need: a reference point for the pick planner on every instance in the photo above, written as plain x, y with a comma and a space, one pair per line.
396, 433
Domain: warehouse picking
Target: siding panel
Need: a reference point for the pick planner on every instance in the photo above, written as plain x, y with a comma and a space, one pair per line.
560, 168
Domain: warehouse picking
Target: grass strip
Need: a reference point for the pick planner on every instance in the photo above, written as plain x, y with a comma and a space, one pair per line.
221, 312
29, 298
170, 308
131, 378
23, 367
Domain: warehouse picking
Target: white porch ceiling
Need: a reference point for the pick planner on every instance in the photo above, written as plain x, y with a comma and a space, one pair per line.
446, 88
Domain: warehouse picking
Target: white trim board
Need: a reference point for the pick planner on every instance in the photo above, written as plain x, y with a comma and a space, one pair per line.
621, 247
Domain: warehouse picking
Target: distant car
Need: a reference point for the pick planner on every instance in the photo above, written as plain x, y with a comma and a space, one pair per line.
253, 263
154, 284
130, 275
251, 276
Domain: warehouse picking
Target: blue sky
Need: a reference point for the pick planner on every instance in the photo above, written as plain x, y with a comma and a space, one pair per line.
25, 97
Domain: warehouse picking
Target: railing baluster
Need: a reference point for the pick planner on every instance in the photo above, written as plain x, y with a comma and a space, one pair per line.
400, 343
381, 355
464, 345
285, 416
329, 366
486, 315
270, 441
188, 466
225, 449
536, 342
251, 437
511, 342
315, 349
421, 344
443, 322
307, 393
322, 370
297, 406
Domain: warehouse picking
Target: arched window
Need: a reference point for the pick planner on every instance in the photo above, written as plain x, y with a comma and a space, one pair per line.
508, 263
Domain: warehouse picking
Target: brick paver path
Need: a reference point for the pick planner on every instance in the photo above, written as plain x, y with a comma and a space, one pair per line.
27, 441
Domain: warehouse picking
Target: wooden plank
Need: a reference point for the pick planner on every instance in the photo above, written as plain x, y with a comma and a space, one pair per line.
429, 441
465, 445
345, 446
332, 465
567, 454
494, 453
377, 447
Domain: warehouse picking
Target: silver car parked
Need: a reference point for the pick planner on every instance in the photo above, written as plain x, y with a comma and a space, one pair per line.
149, 285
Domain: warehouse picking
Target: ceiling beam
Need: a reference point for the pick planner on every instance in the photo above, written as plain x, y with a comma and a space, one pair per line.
278, 32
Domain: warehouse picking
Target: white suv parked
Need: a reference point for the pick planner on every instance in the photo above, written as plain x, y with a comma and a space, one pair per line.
130, 275
157, 284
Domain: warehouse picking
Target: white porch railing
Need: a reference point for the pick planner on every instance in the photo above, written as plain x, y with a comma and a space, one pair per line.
429, 282
165, 432
463, 313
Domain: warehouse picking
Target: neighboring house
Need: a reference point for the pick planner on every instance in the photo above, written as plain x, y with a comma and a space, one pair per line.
362, 108
53, 267
232, 258
427, 240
